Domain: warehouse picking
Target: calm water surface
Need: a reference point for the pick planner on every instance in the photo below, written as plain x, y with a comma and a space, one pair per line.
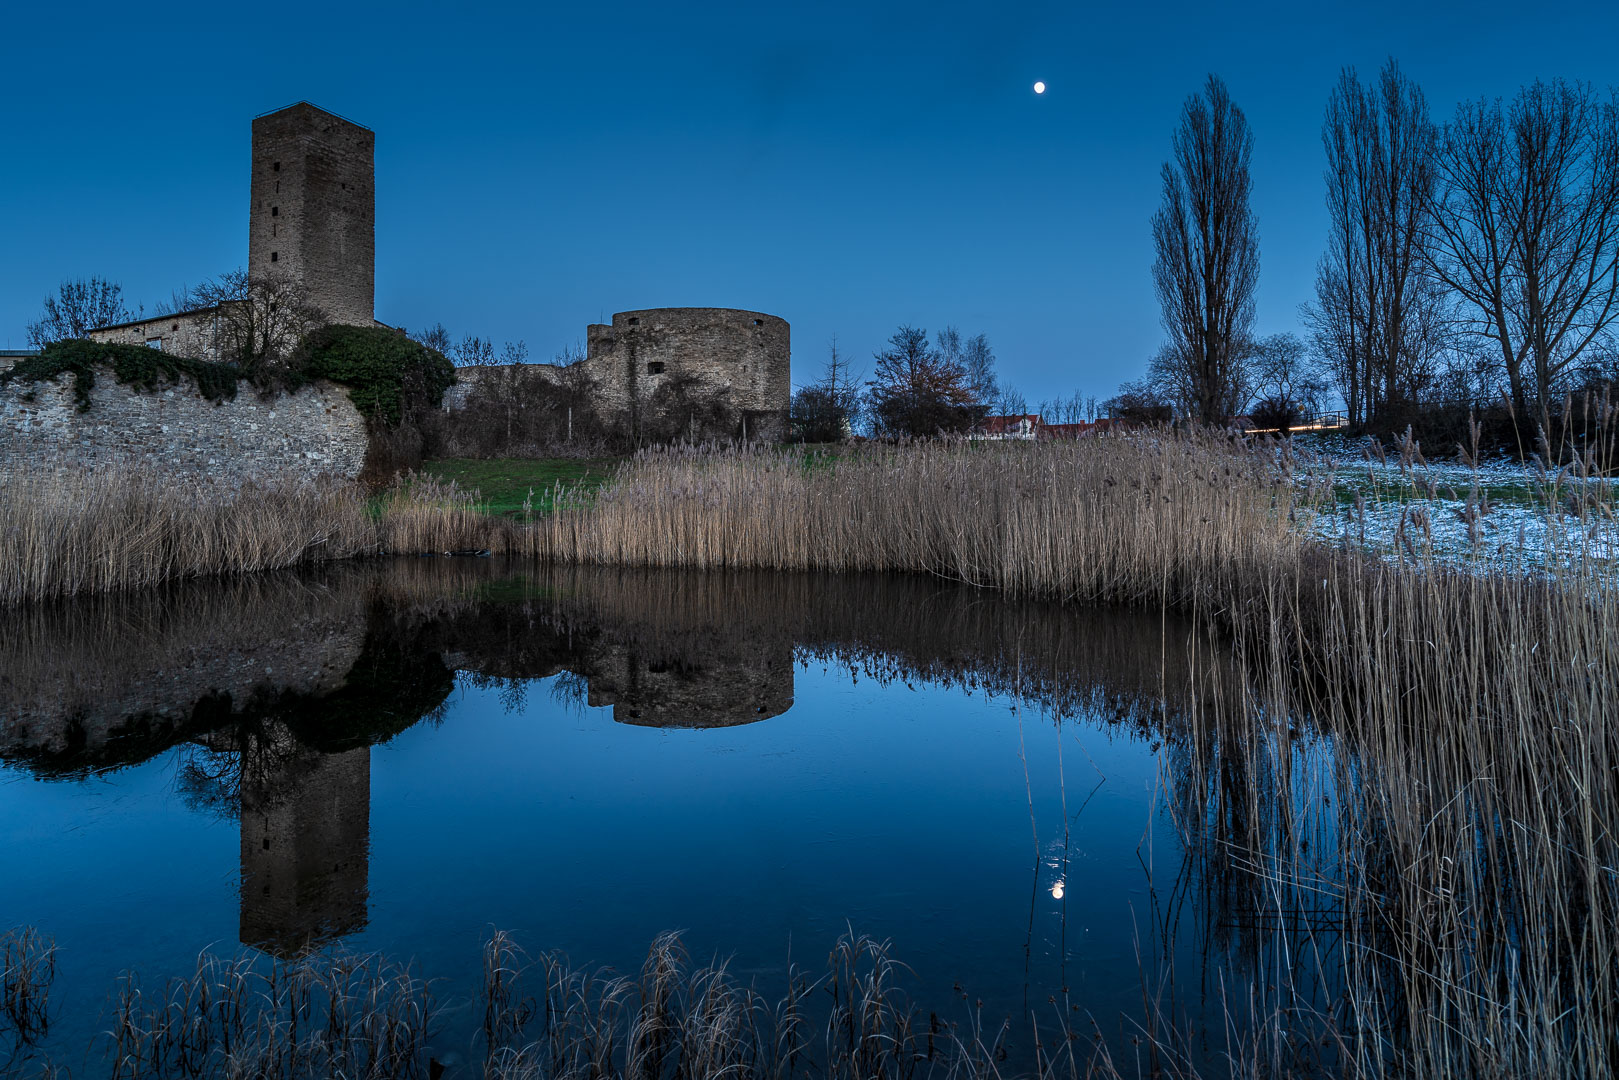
402, 757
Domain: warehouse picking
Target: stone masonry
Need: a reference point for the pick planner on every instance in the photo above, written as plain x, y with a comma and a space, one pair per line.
316, 431
745, 354
313, 211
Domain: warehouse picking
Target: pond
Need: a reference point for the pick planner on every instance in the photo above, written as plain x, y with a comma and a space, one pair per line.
402, 757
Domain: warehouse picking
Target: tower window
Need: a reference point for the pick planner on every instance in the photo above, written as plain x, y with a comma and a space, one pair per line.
275, 211
635, 322
278, 187
273, 229
758, 322
276, 167
274, 256
654, 367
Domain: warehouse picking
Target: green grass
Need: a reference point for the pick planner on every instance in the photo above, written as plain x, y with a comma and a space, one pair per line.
503, 483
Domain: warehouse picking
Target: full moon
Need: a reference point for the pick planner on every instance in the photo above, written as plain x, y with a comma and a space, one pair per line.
1039, 87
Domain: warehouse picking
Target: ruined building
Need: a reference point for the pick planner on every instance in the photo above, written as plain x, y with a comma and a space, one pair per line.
312, 225
737, 359
312, 218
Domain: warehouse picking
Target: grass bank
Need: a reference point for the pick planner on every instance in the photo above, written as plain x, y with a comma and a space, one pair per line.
521, 487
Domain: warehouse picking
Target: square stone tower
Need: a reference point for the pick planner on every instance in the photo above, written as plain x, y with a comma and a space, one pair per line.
314, 209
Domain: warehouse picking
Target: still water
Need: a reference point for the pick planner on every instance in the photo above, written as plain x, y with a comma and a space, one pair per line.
401, 757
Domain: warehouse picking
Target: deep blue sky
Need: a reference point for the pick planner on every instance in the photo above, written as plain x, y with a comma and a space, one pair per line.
848, 167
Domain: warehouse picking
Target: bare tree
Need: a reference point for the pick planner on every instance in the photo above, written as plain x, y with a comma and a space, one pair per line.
1374, 306
78, 307
826, 410
1285, 374
258, 321
1207, 243
1526, 228
435, 337
473, 351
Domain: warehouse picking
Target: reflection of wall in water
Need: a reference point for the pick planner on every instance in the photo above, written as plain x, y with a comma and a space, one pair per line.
693, 691
306, 830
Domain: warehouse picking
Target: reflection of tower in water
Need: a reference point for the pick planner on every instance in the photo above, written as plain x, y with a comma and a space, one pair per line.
306, 832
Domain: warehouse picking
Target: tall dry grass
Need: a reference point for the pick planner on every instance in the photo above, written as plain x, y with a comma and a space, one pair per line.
73, 533
1138, 519
69, 533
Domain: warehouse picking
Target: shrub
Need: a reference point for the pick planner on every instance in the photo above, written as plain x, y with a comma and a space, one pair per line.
1276, 414
146, 369
386, 373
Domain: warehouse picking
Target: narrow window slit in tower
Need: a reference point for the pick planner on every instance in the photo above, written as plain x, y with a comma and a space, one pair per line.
275, 211
274, 256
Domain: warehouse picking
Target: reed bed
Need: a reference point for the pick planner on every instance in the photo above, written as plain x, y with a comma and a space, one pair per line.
71, 533
252, 1017
1139, 519
343, 1015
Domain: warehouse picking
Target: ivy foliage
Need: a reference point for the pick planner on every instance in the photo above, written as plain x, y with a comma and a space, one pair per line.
385, 371
146, 369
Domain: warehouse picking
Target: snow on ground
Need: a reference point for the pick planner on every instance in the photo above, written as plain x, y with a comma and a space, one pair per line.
1498, 515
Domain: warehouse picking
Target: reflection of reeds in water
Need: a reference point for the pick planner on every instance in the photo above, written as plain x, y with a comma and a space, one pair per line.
27, 970
1408, 830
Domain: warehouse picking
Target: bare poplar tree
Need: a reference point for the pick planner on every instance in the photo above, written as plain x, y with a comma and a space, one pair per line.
1207, 242
1526, 228
78, 307
1372, 309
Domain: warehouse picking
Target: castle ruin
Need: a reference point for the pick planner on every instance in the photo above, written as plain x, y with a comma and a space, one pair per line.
736, 359
312, 223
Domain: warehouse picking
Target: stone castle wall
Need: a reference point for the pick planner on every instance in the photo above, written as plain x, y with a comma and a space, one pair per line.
314, 432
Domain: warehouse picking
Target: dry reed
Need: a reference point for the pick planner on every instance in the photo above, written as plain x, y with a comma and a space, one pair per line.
27, 970
72, 533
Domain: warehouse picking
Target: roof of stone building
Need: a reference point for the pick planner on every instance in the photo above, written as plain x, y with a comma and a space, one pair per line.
317, 108
157, 318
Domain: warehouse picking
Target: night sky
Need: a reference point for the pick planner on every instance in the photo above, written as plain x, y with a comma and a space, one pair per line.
848, 167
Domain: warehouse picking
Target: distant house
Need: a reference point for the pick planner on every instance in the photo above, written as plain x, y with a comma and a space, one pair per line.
1024, 427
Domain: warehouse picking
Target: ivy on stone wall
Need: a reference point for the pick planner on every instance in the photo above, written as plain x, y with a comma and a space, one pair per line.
145, 369
384, 370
